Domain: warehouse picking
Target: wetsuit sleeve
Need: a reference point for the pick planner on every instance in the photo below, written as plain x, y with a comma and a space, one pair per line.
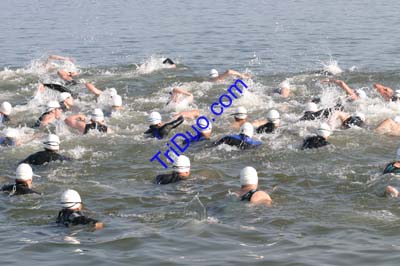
167, 127
225, 139
388, 169
83, 220
168, 61
306, 144
28, 160
57, 87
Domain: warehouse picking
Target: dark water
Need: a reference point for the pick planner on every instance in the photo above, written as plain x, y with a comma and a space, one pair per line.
326, 207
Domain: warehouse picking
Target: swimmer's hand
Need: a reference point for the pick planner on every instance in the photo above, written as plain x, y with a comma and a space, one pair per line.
98, 226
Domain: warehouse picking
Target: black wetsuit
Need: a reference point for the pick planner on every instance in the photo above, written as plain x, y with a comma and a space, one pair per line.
69, 217
168, 61
95, 126
314, 142
43, 157
39, 121
266, 128
18, 189
61, 88
323, 113
161, 132
390, 168
394, 98
241, 141
352, 121
168, 178
248, 195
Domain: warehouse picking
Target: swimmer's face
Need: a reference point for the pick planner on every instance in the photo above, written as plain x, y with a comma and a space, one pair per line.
69, 101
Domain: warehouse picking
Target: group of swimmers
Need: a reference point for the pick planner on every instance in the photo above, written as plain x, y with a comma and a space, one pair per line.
71, 203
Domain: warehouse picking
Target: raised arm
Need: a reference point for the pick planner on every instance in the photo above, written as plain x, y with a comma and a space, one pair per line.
93, 89
344, 86
59, 57
386, 92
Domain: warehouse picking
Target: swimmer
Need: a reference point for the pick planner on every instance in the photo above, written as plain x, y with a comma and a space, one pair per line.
177, 96
249, 188
161, 130
204, 130
97, 91
71, 213
214, 75
273, 123
96, 122
390, 126
284, 89
240, 116
387, 93
243, 140
169, 62
51, 152
66, 101
312, 112
181, 171
348, 121
10, 138
320, 140
353, 94
5, 111
23, 182
53, 113
393, 167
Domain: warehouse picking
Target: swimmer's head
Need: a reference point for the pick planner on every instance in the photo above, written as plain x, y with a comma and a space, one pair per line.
11, 133
247, 129
71, 199
273, 116
360, 115
154, 118
52, 143
213, 73
116, 101
311, 107
205, 126
112, 92
285, 84
240, 113
97, 115
63, 96
181, 165
53, 105
24, 173
361, 93
5, 108
248, 176
324, 130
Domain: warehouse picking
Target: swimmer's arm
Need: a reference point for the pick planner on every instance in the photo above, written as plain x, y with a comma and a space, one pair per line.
174, 123
259, 122
231, 72
342, 115
77, 121
344, 86
182, 91
98, 226
384, 91
59, 57
40, 88
93, 89
261, 197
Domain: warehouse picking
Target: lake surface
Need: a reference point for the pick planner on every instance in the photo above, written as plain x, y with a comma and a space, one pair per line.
327, 208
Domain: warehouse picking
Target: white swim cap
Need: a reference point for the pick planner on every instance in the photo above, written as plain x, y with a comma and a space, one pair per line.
240, 113
396, 93
311, 107
181, 164
52, 142
213, 73
360, 115
247, 129
273, 116
116, 101
52, 105
63, 96
154, 118
203, 126
10, 133
5, 108
24, 172
361, 93
285, 84
112, 92
396, 119
70, 198
97, 115
324, 130
248, 176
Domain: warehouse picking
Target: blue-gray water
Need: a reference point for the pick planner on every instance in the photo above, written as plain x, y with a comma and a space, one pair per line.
326, 207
